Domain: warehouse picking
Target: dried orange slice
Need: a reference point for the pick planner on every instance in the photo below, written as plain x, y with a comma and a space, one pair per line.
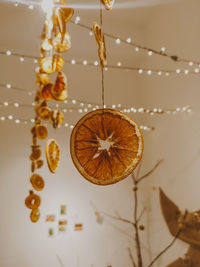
52, 152
51, 64
106, 146
61, 44
60, 83
44, 112
101, 43
37, 182
108, 4
57, 118
32, 201
41, 131
46, 92
35, 215
46, 45
42, 79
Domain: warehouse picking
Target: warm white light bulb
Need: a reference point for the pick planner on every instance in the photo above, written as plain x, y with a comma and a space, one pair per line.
90, 33
140, 71
73, 101
5, 104
8, 52
196, 70
85, 62
186, 71
17, 121
66, 124
137, 49
119, 64
149, 72
159, 73
3, 118
30, 7
118, 41
128, 40
96, 63
8, 85
10, 117
178, 71
73, 61
150, 53
77, 20
21, 59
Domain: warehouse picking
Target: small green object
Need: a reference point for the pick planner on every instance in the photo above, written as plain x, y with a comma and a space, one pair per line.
50, 231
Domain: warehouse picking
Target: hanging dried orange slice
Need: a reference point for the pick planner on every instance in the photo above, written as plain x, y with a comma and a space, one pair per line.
37, 182
44, 112
41, 131
32, 201
61, 44
42, 79
52, 152
35, 215
108, 4
101, 43
46, 45
106, 146
51, 64
60, 83
46, 92
57, 118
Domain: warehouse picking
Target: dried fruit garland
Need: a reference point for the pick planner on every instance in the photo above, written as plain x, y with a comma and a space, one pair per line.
55, 40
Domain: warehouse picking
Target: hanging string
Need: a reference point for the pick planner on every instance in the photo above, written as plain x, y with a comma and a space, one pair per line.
102, 68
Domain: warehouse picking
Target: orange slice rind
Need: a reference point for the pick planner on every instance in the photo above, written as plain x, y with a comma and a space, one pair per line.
106, 146
52, 152
51, 64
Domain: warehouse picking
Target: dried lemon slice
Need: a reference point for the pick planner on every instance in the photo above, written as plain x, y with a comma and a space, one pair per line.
108, 4
35, 215
106, 146
41, 131
32, 201
52, 152
51, 64
101, 43
42, 79
62, 44
37, 182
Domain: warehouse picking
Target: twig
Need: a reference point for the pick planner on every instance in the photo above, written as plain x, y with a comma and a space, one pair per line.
117, 218
141, 214
150, 172
137, 237
170, 244
131, 257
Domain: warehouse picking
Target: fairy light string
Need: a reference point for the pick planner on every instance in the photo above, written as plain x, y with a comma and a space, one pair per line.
162, 52
118, 66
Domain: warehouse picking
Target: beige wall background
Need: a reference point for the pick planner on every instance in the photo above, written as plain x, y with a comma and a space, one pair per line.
172, 24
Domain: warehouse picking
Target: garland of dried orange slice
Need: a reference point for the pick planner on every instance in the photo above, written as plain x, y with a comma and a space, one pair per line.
106, 145
55, 40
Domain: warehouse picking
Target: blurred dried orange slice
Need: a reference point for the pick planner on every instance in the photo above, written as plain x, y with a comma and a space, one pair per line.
44, 112
57, 118
35, 215
61, 44
32, 201
42, 79
46, 45
37, 182
106, 146
67, 13
52, 152
108, 4
46, 92
60, 83
51, 64
41, 131
101, 43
